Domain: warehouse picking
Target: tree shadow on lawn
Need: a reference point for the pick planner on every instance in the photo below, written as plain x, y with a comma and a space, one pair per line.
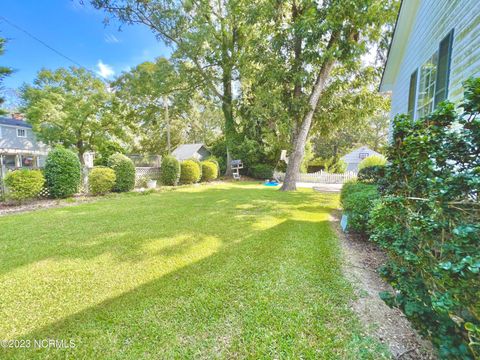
121, 227
277, 293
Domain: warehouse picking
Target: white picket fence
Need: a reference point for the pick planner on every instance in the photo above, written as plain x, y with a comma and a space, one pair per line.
320, 177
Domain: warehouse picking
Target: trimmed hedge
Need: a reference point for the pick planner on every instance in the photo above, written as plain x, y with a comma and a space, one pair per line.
170, 171
358, 200
209, 171
261, 171
24, 184
373, 160
101, 180
199, 163
124, 172
62, 172
190, 172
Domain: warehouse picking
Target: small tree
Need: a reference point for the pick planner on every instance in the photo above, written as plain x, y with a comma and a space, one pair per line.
62, 172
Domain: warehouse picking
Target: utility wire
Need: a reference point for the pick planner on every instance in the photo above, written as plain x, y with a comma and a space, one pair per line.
46, 45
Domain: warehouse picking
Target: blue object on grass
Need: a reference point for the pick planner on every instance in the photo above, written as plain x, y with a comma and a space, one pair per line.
270, 183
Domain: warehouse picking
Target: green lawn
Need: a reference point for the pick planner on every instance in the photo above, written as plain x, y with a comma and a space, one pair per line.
219, 271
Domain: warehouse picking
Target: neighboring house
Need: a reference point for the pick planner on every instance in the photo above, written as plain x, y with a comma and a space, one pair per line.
353, 159
435, 48
18, 145
188, 151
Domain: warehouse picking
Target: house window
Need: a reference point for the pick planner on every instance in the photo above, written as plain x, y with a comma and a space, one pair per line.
28, 161
426, 92
433, 82
21, 133
10, 161
362, 155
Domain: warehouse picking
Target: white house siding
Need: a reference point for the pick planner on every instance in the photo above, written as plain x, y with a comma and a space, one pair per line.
434, 20
353, 159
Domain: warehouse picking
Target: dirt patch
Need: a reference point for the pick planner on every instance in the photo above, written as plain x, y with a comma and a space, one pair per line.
389, 326
14, 208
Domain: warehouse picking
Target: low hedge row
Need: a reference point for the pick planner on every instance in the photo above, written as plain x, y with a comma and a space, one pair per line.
188, 171
24, 184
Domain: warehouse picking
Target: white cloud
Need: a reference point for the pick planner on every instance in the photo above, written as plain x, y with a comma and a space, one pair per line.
111, 39
104, 70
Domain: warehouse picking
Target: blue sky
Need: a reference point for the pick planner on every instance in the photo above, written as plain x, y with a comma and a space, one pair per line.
75, 30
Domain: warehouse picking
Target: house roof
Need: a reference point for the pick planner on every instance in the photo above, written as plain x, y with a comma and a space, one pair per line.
186, 151
14, 122
359, 150
403, 27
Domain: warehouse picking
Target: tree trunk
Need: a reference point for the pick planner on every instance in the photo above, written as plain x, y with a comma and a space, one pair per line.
295, 159
167, 121
227, 109
81, 151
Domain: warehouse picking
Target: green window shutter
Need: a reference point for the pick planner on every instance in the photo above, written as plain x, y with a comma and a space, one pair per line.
412, 94
443, 71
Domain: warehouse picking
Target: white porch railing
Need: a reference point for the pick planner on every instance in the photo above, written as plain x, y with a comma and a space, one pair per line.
320, 177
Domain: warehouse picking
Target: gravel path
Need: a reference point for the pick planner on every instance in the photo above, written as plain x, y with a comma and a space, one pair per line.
390, 326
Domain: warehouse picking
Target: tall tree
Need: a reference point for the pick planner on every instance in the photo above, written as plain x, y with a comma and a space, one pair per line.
304, 43
73, 108
4, 72
206, 35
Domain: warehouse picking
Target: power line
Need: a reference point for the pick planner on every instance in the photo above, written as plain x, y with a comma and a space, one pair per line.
45, 44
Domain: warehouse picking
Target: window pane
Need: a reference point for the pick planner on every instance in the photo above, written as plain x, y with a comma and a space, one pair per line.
28, 161
426, 94
9, 161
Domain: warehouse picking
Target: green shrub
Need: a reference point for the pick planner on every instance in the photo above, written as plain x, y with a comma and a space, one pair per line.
261, 171
189, 172
209, 171
199, 163
373, 160
428, 223
358, 200
24, 184
214, 160
170, 171
62, 172
124, 172
371, 174
101, 180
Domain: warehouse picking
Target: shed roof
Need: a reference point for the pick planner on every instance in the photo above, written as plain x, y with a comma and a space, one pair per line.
186, 151
360, 150
14, 122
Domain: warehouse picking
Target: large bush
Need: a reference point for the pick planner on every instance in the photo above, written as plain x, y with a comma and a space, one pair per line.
62, 172
190, 172
261, 171
372, 175
428, 222
170, 171
101, 180
358, 200
373, 160
209, 171
24, 184
124, 172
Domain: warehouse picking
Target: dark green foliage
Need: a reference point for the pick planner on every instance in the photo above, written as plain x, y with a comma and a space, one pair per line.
358, 200
261, 171
209, 170
24, 184
62, 172
124, 172
330, 165
190, 172
170, 171
372, 175
428, 222
101, 180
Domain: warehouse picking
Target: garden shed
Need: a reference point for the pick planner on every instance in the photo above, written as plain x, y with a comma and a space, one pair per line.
353, 158
189, 151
